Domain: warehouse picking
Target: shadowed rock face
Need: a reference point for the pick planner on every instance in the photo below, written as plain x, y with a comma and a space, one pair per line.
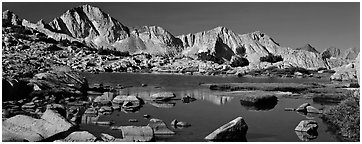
336, 58
331, 52
9, 18
350, 53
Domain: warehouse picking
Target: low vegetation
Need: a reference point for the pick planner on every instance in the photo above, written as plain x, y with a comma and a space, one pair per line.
271, 58
102, 51
345, 118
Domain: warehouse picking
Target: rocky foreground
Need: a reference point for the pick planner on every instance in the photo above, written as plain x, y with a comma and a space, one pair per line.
44, 97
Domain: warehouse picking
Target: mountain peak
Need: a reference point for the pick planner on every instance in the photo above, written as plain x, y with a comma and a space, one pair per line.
91, 24
309, 48
220, 28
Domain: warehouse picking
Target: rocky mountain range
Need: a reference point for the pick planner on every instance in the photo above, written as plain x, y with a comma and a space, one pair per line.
96, 29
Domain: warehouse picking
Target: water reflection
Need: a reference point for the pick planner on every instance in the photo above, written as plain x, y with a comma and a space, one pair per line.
240, 138
89, 119
304, 136
161, 104
308, 115
199, 94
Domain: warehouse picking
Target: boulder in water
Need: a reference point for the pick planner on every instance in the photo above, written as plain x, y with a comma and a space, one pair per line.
311, 109
232, 131
307, 126
303, 107
162, 96
159, 127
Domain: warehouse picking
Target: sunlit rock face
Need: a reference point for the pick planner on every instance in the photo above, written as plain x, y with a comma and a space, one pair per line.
221, 44
150, 39
90, 24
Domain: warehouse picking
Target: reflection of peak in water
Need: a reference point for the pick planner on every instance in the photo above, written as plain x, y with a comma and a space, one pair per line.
305, 136
202, 94
199, 94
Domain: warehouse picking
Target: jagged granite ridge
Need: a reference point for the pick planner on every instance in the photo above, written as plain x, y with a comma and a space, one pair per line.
90, 25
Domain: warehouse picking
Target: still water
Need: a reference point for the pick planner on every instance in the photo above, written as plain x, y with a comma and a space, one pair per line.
209, 111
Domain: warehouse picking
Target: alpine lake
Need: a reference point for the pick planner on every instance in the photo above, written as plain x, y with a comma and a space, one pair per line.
208, 111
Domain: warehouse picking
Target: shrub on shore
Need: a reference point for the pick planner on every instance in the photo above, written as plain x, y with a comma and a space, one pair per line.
345, 118
271, 58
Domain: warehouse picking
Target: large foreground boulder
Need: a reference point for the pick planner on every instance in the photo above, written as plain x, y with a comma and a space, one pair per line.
80, 136
235, 130
59, 82
137, 133
25, 128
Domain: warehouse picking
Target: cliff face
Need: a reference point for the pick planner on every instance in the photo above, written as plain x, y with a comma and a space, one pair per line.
331, 52
223, 44
219, 44
150, 39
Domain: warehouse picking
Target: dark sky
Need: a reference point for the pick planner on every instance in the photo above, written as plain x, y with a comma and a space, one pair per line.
291, 24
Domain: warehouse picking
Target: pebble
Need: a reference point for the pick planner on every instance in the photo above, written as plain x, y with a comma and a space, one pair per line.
289, 109
133, 120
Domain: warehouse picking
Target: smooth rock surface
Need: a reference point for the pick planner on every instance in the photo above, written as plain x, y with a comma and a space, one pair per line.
234, 130
23, 127
311, 109
80, 136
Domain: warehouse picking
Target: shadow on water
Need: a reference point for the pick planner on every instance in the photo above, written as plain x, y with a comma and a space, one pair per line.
162, 104
240, 138
259, 106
